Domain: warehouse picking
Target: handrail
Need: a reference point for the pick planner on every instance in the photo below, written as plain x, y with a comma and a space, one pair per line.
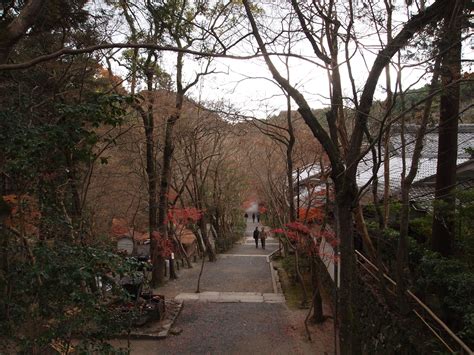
434, 332
269, 256
424, 306
441, 323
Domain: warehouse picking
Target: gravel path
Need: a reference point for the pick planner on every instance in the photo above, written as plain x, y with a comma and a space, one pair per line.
234, 328
230, 328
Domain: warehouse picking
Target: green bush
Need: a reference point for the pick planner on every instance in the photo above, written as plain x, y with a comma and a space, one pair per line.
59, 295
420, 228
453, 284
446, 284
464, 242
288, 263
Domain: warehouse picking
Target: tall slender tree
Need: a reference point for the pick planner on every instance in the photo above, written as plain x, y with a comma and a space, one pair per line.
444, 226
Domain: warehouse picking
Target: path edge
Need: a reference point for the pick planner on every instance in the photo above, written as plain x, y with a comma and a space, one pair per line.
160, 335
275, 279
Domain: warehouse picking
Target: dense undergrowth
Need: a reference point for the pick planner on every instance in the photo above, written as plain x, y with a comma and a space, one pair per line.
57, 292
446, 284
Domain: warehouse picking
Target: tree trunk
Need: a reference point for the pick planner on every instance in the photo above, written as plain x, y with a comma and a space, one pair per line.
386, 138
200, 242
75, 206
386, 176
166, 176
198, 287
17, 28
299, 276
168, 150
337, 106
4, 253
318, 316
182, 251
289, 164
362, 230
209, 250
444, 226
348, 324
402, 251
148, 123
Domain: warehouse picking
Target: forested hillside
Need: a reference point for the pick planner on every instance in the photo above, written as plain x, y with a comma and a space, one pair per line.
142, 141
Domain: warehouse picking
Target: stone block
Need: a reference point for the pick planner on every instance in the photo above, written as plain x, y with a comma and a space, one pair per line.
251, 299
208, 296
228, 298
163, 334
187, 297
240, 294
273, 298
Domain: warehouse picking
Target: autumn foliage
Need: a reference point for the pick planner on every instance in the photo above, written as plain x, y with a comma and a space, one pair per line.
185, 215
178, 217
164, 246
311, 214
308, 240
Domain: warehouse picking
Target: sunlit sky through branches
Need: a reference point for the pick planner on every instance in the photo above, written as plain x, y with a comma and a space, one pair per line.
247, 86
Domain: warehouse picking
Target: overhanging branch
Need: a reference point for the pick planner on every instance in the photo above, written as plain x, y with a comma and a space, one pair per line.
90, 49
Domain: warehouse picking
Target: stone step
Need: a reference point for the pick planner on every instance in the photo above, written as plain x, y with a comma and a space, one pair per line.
232, 297
241, 255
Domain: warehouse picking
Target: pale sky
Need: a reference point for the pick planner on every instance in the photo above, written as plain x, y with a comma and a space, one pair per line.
248, 85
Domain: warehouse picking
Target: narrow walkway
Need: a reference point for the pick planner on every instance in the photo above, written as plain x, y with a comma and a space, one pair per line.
237, 311
244, 268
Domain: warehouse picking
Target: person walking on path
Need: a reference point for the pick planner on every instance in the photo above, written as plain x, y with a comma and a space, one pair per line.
263, 236
246, 216
253, 217
255, 236
258, 217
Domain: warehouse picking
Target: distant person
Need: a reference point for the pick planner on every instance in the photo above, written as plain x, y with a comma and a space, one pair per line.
255, 236
253, 217
263, 236
258, 217
246, 217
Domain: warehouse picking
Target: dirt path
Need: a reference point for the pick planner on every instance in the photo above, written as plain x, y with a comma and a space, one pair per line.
237, 312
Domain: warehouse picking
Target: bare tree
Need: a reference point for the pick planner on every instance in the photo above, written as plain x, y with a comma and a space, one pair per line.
344, 167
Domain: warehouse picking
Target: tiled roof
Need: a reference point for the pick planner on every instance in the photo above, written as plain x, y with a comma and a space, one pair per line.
121, 229
423, 195
430, 142
187, 237
427, 165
